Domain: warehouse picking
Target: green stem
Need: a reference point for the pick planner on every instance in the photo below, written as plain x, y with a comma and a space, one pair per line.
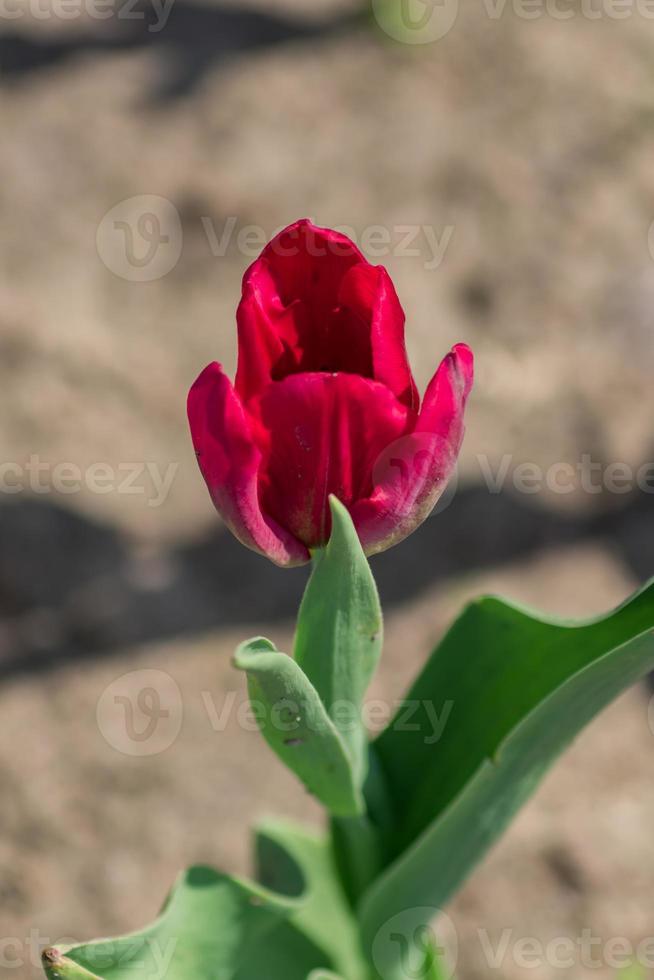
361, 843
358, 854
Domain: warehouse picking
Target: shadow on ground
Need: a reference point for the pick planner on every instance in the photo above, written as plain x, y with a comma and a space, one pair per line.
71, 589
189, 38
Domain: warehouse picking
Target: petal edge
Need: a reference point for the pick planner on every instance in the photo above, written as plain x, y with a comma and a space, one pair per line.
413, 472
229, 462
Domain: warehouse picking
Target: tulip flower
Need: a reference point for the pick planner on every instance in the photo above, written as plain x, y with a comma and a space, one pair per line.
324, 403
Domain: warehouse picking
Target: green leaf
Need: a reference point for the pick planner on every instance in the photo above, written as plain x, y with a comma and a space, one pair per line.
294, 722
284, 954
206, 930
324, 917
514, 690
339, 632
294, 925
59, 967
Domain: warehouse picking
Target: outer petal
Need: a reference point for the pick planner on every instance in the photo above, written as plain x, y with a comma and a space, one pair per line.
266, 335
446, 396
229, 461
411, 474
321, 434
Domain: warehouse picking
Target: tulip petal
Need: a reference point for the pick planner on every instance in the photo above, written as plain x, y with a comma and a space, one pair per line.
411, 474
321, 434
265, 336
288, 318
308, 262
312, 302
446, 396
368, 292
229, 461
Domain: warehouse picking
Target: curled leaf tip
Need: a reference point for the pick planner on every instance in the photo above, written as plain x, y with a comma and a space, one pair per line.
248, 651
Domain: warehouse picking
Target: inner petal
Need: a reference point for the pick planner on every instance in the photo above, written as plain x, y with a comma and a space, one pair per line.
304, 270
326, 340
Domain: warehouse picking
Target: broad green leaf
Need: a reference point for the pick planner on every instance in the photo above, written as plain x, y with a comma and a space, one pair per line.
207, 928
324, 917
339, 632
294, 722
515, 690
285, 953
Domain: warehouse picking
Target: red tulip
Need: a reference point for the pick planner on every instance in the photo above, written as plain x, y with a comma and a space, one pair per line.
324, 403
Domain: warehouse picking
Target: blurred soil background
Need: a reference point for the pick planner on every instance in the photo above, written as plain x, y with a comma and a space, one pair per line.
526, 147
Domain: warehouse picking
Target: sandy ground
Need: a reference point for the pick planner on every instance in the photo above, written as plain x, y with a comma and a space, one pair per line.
518, 153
